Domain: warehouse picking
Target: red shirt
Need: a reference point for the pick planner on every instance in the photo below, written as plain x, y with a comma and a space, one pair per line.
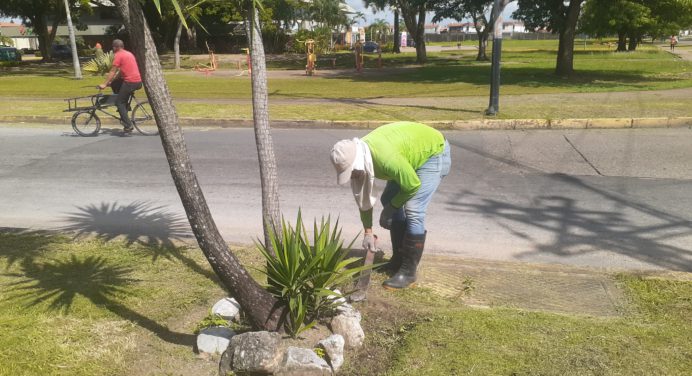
126, 62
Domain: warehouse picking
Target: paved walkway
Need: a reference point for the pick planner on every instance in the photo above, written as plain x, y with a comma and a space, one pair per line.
534, 287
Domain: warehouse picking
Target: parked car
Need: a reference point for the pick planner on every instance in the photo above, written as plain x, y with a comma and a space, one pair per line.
9, 53
370, 47
61, 51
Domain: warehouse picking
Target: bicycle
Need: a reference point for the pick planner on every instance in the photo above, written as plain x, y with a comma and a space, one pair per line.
86, 122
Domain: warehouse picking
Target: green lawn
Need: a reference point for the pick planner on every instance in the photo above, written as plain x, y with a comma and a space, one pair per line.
527, 69
447, 338
92, 307
123, 307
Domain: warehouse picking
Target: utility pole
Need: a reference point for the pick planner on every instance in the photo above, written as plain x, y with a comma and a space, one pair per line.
494, 106
73, 43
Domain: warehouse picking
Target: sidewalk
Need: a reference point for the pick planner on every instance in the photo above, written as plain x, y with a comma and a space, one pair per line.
532, 287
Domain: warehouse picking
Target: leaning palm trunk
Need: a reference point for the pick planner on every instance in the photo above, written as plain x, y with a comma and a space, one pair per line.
260, 306
263, 138
176, 44
73, 43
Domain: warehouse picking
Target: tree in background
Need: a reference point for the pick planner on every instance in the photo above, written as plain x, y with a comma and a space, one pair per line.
37, 13
73, 42
631, 20
669, 16
474, 9
626, 18
379, 28
556, 17
329, 15
413, 12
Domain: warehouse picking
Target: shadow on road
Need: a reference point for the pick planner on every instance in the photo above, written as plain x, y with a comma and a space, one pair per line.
576, 231
138, 221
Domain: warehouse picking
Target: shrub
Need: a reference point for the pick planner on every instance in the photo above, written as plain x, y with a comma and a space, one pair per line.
100, 65
210, 321
303, 276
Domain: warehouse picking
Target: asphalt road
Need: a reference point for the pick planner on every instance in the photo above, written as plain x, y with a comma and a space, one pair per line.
616, 199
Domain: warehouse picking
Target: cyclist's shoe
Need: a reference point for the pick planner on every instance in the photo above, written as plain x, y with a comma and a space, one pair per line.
127, 129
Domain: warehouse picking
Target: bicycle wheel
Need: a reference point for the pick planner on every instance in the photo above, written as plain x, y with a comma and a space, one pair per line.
143, 119
86, 123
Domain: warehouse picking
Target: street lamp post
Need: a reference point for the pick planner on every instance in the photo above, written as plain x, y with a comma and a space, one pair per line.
494, 106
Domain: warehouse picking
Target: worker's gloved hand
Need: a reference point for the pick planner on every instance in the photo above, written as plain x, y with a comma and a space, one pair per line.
369, 242
386, 216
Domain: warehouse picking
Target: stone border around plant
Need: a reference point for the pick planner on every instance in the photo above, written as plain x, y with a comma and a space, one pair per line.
266, 353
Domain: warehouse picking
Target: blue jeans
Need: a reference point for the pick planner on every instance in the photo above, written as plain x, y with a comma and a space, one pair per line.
430, 174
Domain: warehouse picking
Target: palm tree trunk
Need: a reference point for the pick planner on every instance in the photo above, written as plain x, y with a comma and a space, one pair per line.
397, 37
260, 306
73, 43
265, 145
176, 44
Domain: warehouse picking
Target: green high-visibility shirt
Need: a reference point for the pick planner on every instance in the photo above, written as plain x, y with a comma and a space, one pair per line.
398, 150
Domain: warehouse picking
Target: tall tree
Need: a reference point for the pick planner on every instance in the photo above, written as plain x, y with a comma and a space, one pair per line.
257, 302
557, 16
35, 14
397, 32
477, 10
44, 17
632, 19
413, 12
625, 18
379, 28
271, 211
73, 42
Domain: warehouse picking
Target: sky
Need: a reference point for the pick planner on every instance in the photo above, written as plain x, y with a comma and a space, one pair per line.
388, 15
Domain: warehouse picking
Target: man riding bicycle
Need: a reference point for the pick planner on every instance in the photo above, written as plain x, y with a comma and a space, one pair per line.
128, 80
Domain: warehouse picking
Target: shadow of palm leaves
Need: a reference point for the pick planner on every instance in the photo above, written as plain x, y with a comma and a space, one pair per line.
18, 243
138, 222
579, 230
59, 282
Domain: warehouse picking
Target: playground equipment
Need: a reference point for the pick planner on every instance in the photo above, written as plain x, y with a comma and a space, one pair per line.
208, 68
311, 57
248, 60
359, 56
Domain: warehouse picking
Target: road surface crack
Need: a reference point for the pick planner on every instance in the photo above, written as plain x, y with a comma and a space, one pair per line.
582, 155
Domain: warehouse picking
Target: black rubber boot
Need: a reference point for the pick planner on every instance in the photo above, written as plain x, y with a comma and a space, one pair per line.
396, 234
411, 252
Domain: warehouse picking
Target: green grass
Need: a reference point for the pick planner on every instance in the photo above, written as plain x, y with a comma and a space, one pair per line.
88, 307
527, 69
451, 339
122, 307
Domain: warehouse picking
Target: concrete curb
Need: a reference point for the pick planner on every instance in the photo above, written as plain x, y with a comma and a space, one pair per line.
518, 124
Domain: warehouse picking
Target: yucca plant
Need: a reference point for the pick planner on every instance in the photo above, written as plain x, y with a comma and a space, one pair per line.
99, 65
303, 276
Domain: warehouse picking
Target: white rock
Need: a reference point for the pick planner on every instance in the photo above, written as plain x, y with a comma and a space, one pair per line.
348, 327
338, 300
214, 340
302, 362
334, 348
228, 308
348, 310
